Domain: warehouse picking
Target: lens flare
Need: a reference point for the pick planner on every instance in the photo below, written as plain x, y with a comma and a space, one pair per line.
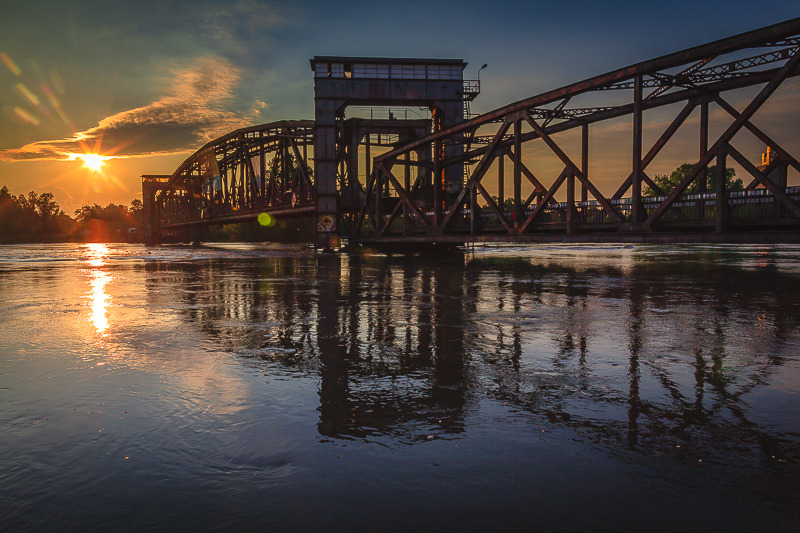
26, 93
10, 64
25, 117
266, 220
93, 162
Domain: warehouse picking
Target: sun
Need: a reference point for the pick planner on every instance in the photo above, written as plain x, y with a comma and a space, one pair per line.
93, 162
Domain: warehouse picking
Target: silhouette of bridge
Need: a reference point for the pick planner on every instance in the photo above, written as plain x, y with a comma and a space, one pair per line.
432, 175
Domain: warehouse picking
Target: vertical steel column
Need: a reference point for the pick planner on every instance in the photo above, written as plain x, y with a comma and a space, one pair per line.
571, 202
473, 206
438, 197
501, 178
378, 187
352, 171
367, 158
407, 185
637, 209
702, 186
783, 176
437, 185
286, 165
585, 160
721, 204
703, 177
262, 167
518, 174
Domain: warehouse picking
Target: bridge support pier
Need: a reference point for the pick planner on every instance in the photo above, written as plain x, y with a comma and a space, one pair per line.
151, 229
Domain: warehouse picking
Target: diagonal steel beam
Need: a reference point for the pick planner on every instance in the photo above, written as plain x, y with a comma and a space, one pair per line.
781, 196
678, 77
766, 171
402, 192
783, 154
656, 148
365, 210
494, 206
478, 173
538, 187
301, 163
545, 199
391, 218
573, 168
727, 135
619, 111
556, 111
656, 189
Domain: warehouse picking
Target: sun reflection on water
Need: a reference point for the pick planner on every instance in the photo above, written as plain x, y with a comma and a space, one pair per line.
98, 282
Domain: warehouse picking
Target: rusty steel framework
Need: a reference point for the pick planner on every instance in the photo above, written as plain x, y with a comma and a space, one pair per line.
407, 195
240, 175
397, 208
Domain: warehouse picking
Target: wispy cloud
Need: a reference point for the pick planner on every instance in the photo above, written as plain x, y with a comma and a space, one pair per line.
194, 112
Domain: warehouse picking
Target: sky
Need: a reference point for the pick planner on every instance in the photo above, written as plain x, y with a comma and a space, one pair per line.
146, 83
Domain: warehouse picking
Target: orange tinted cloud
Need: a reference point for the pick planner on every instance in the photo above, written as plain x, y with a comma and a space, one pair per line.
193, 113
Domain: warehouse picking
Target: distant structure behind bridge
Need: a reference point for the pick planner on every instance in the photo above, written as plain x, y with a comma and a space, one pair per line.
433, 173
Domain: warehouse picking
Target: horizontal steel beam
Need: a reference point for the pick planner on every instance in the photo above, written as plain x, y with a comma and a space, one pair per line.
302, 210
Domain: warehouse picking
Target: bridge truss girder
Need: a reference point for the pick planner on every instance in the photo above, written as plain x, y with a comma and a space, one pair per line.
260, 169
696, 77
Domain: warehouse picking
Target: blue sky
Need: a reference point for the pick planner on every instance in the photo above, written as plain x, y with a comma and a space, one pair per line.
153, 80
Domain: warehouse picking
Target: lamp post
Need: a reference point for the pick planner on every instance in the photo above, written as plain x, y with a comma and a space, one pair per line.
479, 73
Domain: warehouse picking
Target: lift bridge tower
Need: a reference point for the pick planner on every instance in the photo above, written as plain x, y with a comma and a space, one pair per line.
436, 86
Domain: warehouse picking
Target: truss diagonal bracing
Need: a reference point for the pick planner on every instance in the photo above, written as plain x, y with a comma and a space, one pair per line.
698, 77
262, 169
520, 172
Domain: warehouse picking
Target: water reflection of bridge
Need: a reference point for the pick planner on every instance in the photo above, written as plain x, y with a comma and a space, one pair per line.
646, 357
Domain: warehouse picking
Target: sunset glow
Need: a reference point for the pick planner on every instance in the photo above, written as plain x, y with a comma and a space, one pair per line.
93, 162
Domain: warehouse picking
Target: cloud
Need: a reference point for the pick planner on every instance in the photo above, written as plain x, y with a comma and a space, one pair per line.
193, 113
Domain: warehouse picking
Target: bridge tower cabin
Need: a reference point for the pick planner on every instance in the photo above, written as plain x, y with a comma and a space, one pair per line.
340, 82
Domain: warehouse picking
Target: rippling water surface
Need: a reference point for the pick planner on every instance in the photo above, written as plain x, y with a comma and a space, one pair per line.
556, 388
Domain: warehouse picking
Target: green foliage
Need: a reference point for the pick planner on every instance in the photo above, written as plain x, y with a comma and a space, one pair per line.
508, 205
110, 223
31, 218
293, 175
38, 218
669, 182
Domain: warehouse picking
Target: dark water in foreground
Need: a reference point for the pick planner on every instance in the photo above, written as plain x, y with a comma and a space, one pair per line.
554, 388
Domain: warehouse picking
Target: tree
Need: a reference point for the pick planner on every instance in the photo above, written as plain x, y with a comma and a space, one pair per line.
110, 223
507, 205
46, 207
31, 218
293, 170
668, 182
137, 213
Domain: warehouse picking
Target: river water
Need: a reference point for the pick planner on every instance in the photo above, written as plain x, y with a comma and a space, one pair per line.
556, 388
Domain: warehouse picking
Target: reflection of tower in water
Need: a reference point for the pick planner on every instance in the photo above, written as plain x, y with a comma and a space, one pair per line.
391, 347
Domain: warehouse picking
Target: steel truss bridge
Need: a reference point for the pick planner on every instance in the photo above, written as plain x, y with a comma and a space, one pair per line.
407, 194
